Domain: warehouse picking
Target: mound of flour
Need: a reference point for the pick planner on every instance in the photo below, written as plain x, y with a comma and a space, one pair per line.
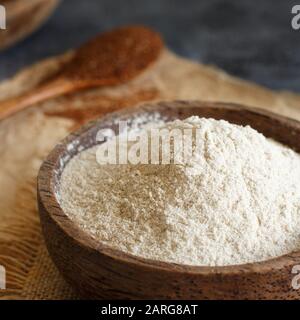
236, 200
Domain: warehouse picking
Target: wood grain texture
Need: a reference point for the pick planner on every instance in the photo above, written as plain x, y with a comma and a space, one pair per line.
98, 271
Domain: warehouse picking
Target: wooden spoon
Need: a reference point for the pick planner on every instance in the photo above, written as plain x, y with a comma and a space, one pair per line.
110, 59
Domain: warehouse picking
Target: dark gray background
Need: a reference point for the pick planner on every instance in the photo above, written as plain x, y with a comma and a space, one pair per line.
250, 39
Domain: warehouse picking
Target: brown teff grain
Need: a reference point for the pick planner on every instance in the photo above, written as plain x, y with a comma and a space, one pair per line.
116, 56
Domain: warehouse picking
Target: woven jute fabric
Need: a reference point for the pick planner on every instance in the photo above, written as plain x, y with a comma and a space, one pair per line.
28, 136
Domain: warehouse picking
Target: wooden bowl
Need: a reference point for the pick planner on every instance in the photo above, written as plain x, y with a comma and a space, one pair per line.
98, 271
23, 18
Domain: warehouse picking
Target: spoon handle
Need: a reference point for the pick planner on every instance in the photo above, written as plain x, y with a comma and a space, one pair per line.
57, 87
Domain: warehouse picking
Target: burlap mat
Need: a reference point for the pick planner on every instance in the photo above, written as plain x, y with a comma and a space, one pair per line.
28, 136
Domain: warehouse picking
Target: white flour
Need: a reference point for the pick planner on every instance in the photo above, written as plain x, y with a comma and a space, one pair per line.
237, 200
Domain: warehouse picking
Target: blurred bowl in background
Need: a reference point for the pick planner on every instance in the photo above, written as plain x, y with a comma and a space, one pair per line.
23, 18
